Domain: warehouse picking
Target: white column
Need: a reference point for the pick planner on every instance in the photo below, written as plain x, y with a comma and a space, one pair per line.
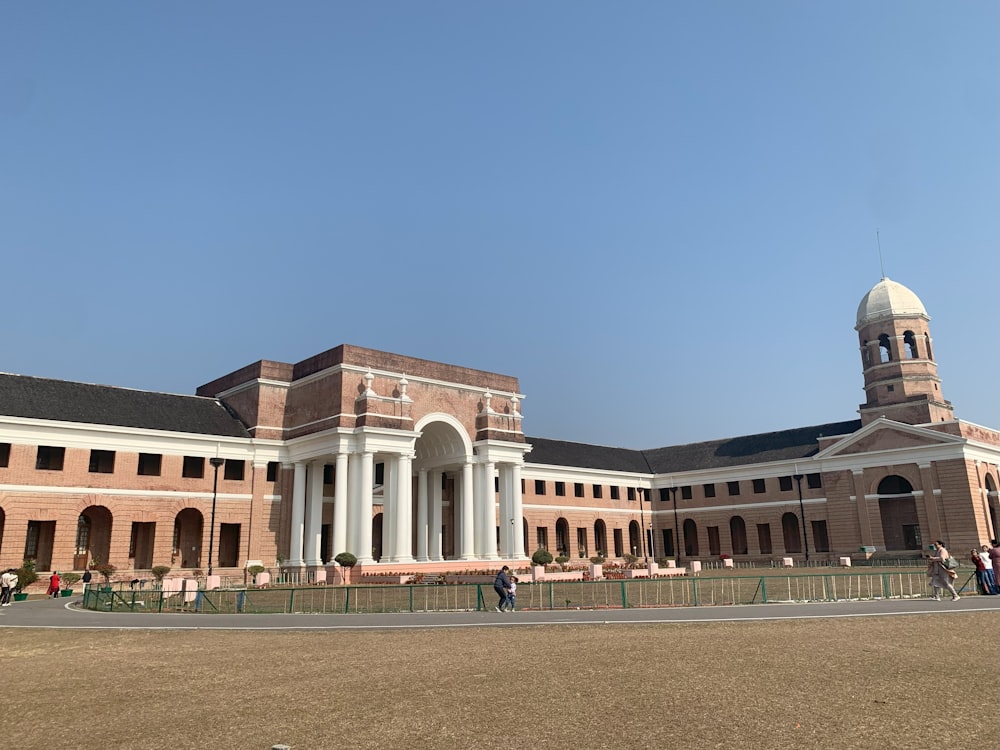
437, 511
390, 473
468, 519
364, 505
504, 513
422, 530
354, 461
314, 515
487, 515
298, 516
339, 531
404, 508
517, 512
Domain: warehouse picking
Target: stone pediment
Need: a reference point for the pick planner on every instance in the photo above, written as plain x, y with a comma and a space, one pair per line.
885, 435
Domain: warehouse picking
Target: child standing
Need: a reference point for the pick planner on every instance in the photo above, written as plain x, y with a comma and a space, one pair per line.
511, 593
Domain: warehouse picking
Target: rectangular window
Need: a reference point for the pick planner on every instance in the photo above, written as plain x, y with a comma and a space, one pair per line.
820, 537
615, 494
102, 462
630, 494
758, 486
327, 474
272, 471
785, 484
194, 467
709, 490
713, 540
496, 484
664, 494
31, 540
619, 543
4, 455
598, 491
234, 470
379, 476
734, 488
581, 543
668, 543
560, 489
539, 486
50, 458
578, 489
150, 465
686, 492
764, 538
815, 481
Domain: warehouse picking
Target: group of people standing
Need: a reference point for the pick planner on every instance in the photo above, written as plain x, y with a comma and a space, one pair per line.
987, 563
506, 587
8, 583
941, 572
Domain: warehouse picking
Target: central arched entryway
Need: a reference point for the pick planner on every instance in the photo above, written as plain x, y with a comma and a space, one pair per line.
898, 510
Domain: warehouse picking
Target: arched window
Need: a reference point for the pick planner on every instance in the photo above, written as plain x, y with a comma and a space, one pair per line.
601, 538
910, 344
82, 534
927, 346
562, 537
790, 531
884, 348
738, 534
866, 354
894, 485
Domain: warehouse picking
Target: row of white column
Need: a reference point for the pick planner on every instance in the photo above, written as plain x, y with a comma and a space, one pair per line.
353, 501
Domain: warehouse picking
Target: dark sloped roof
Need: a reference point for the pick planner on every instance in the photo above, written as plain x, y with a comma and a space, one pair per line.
784, 445
583, 456
61, 400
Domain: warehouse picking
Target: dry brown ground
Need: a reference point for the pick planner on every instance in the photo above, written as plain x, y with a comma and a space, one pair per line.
901, 682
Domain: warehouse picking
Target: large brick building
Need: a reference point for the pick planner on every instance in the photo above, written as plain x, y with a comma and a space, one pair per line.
406, 462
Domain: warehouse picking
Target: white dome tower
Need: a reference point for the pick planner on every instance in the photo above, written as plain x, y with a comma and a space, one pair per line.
901, 380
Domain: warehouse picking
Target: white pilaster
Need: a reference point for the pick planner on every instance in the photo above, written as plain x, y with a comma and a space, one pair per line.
517, 512
364, 520
390, 473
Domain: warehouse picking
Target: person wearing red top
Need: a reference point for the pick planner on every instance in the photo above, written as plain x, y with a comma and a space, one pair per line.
53, 585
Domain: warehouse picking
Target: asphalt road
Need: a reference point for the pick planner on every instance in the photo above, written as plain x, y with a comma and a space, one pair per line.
64, 613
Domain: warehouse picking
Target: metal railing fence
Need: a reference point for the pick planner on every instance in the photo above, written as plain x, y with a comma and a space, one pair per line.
553, 595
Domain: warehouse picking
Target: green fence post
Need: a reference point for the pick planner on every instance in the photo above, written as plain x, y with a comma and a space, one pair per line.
624, 595
347, 600
291, 600
411, 599
694, 591
763, 589
551, 604
886, 588
826, 587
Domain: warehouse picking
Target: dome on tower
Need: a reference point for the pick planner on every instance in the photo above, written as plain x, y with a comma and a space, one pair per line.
889, 299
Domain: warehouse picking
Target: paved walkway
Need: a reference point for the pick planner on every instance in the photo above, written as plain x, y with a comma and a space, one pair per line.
64, 613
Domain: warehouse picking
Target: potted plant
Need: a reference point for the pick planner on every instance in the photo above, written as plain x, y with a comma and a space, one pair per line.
159, 572
255, 570
26, 576
68, 579
562, 560
105, 570
346, 561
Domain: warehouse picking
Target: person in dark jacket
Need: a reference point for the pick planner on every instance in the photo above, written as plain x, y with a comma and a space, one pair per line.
502, 586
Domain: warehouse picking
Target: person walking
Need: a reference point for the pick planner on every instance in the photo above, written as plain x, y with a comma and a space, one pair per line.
501, 584
53, 590
939, 571
8, 582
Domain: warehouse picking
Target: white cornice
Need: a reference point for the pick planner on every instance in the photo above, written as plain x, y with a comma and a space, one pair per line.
37, 489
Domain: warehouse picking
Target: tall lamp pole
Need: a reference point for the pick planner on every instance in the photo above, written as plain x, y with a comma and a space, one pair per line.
642, 520
677, 538
802, 514
216, 463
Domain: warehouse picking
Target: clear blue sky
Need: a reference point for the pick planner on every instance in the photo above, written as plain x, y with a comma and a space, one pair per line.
660, 216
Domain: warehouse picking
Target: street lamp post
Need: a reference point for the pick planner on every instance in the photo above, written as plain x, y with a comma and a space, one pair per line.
216, 463
642, 520
802, 514
677, 538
